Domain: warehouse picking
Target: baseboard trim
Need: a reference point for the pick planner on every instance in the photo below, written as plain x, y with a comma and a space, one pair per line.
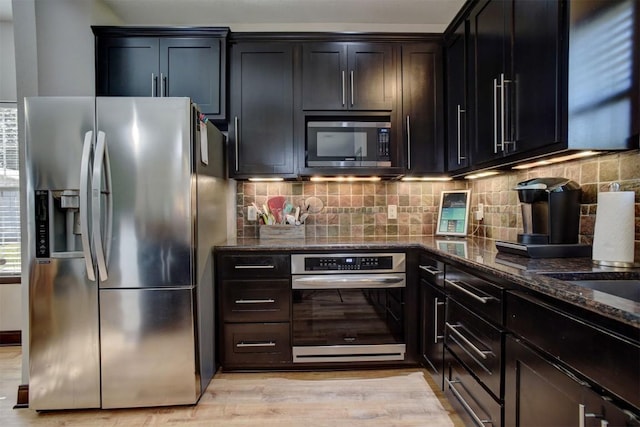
23, 397
10, 338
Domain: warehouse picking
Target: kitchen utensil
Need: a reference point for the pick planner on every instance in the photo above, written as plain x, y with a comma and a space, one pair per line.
313, 204
303, 217
275, 206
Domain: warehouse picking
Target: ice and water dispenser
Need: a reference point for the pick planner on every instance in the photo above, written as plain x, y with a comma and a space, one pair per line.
57, 222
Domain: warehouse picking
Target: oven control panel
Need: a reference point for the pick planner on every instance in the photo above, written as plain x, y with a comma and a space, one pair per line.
346, 262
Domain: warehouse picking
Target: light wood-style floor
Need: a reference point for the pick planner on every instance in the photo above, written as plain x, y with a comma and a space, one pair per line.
403, 397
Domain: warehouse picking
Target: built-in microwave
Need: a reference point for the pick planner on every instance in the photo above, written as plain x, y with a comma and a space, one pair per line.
348, 144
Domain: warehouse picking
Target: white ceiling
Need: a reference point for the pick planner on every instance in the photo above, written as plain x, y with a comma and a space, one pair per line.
292, 15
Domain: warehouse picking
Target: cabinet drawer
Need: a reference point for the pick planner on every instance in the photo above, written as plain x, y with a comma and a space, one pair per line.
256, 344
479, 295
267, 300
431, 270
607, 359
254, 265
470, 396
476, 343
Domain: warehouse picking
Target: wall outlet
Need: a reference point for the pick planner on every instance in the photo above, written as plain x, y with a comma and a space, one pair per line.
392, 211
480, 212
252, 213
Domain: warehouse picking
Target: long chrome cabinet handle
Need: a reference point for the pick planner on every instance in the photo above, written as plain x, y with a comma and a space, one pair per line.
483, 300
583, 414
254, 267
344, 89
237, 142
84, 205
495, 116
480, 422
460, 111
408, 142
430, 270
255, 301
256, 344
154, 85
454, 329
163, 80
502, 120
436, 304
98, 161
352, 90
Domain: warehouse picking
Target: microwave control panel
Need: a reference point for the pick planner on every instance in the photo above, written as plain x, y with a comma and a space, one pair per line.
384, 144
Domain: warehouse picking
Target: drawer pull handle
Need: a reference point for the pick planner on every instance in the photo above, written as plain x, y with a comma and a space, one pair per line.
255, 301
454, 329
480, 422
254, 267
256, 344
456, 285
430, 270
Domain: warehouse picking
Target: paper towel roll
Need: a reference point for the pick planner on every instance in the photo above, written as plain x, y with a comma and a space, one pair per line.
615, 228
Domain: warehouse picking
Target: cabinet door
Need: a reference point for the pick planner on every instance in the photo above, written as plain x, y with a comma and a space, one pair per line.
432, 338
127, 66
192, 67
324, 78
490, 37
371, 75
422, 107
261, 128
458, 112
536, 71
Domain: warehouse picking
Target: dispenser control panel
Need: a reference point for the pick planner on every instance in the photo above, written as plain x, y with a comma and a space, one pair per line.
42, 224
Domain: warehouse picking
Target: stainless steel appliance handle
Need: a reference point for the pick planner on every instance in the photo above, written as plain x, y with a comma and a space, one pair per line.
237, 142
254, 267
84, 205
408, 142
349, 281
483, 300
454, 329
352, 91
460, 111
430, 270
495, 116
255, 301
163, 80
96, 182
154, 81
109, 202
344, 89
583, 414
480, 422
256, 344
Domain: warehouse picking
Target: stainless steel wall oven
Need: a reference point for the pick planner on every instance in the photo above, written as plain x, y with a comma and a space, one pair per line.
348, 307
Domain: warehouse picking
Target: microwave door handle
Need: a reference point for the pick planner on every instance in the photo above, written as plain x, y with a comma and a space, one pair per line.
84, 205
352, 90
344, 89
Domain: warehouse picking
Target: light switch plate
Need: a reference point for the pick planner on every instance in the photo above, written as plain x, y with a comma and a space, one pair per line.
392, 212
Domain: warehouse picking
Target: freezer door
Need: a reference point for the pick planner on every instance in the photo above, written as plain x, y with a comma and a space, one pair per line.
64, 358
148, 143
148, 356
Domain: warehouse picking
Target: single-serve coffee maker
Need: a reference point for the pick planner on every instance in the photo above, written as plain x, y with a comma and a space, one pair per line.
550, 219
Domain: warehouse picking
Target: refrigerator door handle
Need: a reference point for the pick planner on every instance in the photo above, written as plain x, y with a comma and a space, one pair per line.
84, 205
96, 189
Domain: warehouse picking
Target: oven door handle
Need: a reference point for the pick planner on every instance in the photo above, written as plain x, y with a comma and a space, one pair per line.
349, 281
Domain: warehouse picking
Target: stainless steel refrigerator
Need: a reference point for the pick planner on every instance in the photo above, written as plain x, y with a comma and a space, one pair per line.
125, 198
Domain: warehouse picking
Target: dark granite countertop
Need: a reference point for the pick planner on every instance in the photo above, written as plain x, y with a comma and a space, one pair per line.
481, 255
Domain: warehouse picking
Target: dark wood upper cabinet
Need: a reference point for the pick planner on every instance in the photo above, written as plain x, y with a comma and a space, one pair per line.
348, 76
261, 110
458, 108
422, 107
163, 62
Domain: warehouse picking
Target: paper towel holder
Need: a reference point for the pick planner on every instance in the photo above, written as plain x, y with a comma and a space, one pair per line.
614, 187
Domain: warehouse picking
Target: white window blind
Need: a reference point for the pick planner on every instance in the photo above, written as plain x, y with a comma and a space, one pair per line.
9, 191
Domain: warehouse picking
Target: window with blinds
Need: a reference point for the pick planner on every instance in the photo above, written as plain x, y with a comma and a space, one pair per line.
9, 191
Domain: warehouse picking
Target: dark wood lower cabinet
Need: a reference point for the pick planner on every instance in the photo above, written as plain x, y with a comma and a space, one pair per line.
540, 392
256, 345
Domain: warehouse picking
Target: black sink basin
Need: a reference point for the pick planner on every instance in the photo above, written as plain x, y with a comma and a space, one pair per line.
624, 285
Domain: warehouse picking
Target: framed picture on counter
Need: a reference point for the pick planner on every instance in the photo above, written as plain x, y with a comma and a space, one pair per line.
453, 213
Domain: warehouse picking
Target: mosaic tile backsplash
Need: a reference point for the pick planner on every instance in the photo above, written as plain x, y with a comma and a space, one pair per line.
360, 209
